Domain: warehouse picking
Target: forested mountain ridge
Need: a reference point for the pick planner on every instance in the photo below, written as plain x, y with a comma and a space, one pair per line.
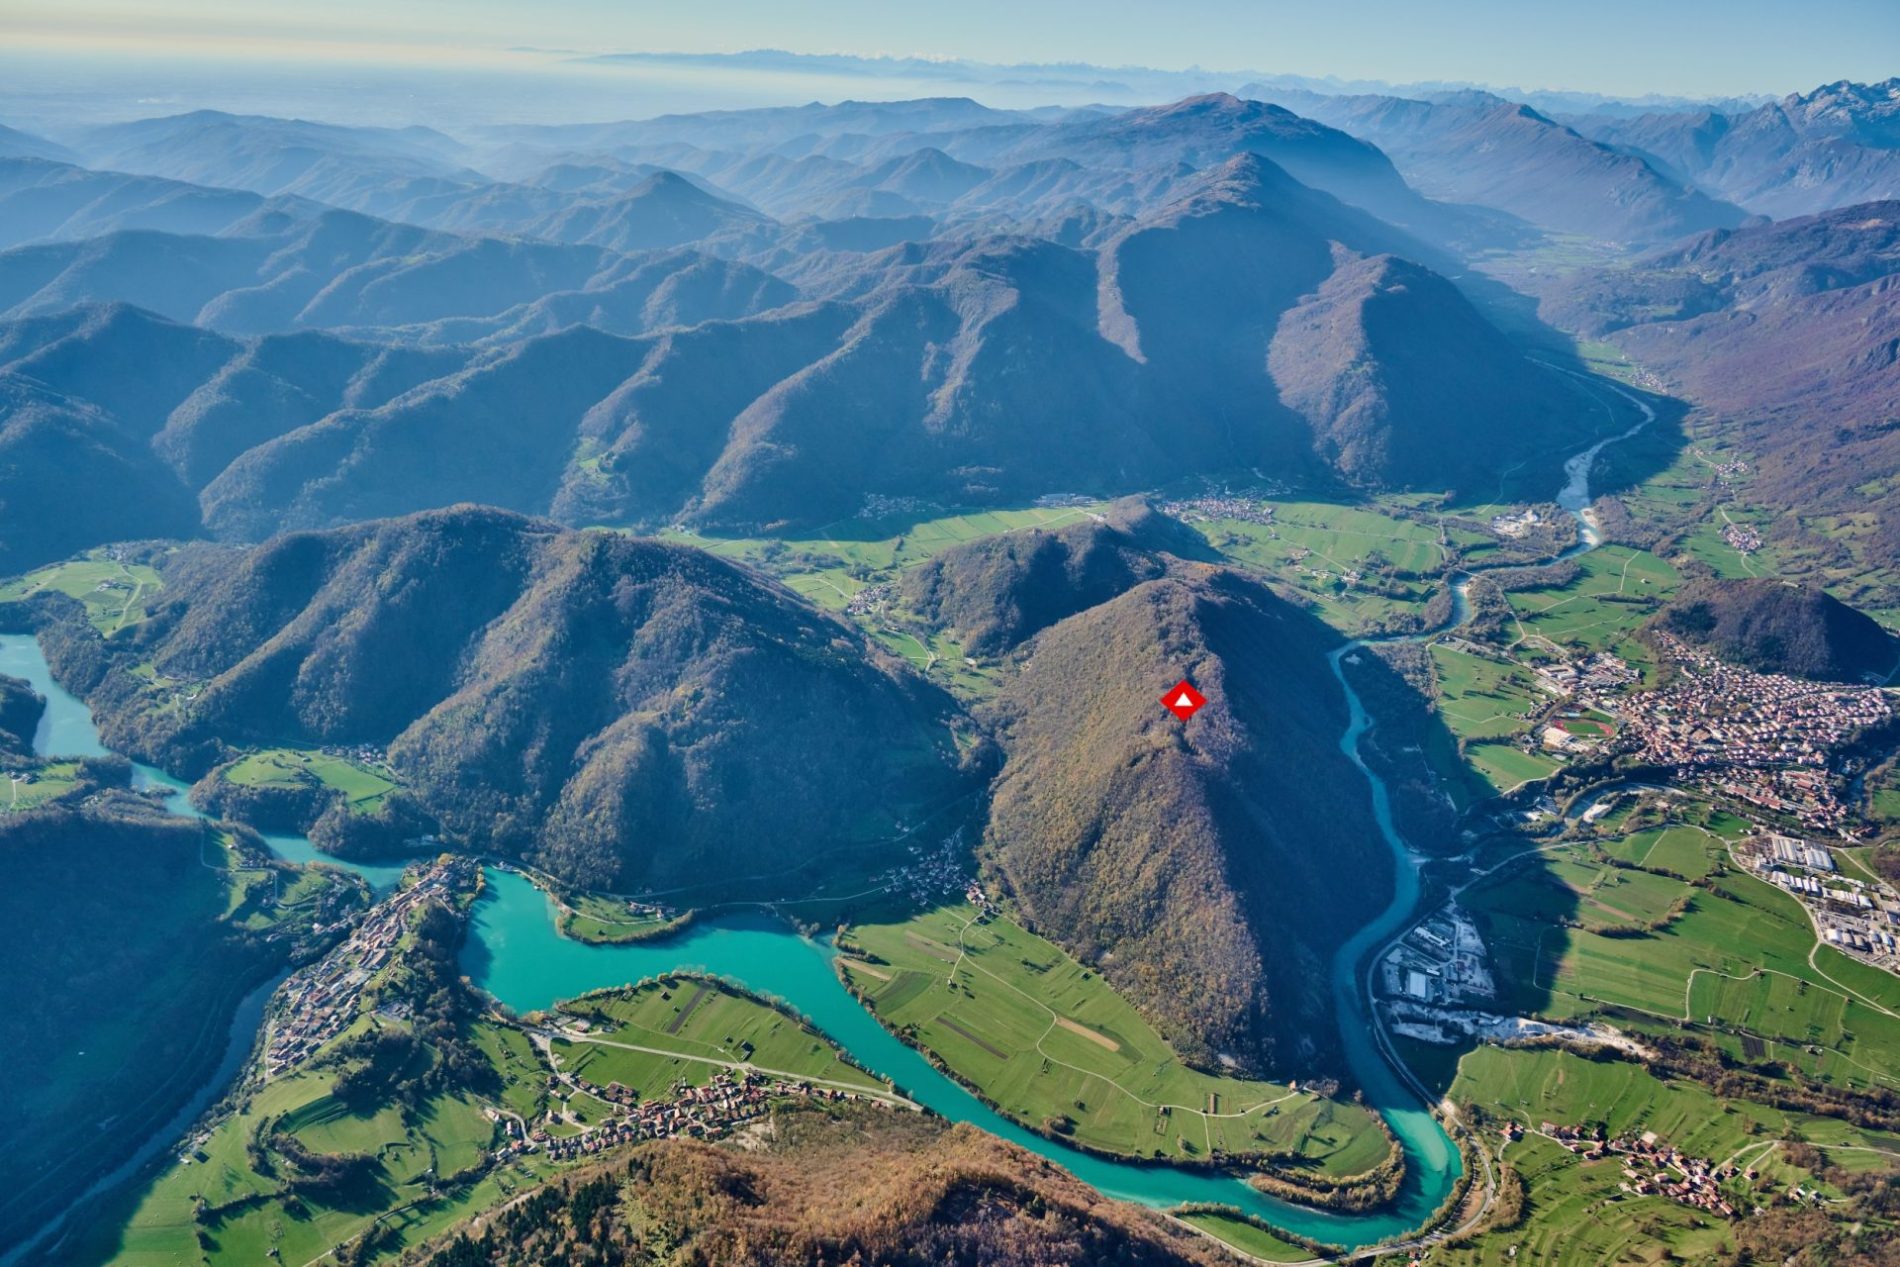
616, 710
1182, 857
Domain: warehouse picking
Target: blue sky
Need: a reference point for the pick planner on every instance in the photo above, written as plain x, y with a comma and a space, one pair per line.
1688, 47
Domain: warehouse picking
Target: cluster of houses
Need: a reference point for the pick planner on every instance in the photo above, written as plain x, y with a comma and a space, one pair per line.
933, 873
1742, 538
704, 1112
1653, 1168
318, 1002
1246, 508
870, 600
1759, 737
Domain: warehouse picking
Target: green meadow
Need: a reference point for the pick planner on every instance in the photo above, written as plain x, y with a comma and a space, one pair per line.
361, 786
1739, 962
1616, 590
115, 595
1047, 1041
692, 1029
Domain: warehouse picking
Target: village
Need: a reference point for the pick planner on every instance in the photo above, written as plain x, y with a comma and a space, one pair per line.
318, 1002
724, 1103
1650, 1166
1760, 738
933, 874
1218, 503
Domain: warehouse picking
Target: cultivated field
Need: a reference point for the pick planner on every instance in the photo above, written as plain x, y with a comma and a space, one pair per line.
1052, 1045
694, 1029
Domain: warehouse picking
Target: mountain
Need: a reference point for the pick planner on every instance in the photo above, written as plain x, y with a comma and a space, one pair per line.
1473, 147
996, 592
616, 710
1807, 153
1386, 360
17, 144
43, 200
1773, 626
282, 269
376, 171
1199, 865
889, 1188
1789, 333
1206, 131
664, 211
108, 488
959, 371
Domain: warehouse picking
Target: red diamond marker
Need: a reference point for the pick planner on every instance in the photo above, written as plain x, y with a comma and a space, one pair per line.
1183, 700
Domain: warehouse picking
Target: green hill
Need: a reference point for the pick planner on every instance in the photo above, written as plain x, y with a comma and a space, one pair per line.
997, 591
1775, 627
1199, 865
623, 712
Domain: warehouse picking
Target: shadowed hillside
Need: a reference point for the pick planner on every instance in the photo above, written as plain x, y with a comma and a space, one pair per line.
1775, 627
625, 713
1201, 865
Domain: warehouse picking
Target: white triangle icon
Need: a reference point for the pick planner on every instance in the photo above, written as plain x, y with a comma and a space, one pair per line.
1184, 701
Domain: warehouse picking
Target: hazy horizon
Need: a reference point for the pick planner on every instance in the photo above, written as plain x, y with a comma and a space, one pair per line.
492, 62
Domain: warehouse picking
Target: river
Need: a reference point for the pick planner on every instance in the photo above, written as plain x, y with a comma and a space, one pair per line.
515, 952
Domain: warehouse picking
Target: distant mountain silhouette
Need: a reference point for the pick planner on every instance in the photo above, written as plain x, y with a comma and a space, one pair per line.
1809, 152
1474, 147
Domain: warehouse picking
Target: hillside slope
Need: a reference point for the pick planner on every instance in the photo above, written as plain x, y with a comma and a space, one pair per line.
1775, 627
619, 711
892, 1189
1199, 865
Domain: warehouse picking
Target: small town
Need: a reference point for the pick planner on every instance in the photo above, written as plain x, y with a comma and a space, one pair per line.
318, 1002
1765, 739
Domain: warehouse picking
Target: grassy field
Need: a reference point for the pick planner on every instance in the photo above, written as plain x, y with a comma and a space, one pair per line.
1504, 766
363, 787
1053, 1046
1248, 1238
601, 917
693, 1029
1616, 589
37, 784
215, 1205
1310, 546
1482, 698
115, 595
1735, 963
